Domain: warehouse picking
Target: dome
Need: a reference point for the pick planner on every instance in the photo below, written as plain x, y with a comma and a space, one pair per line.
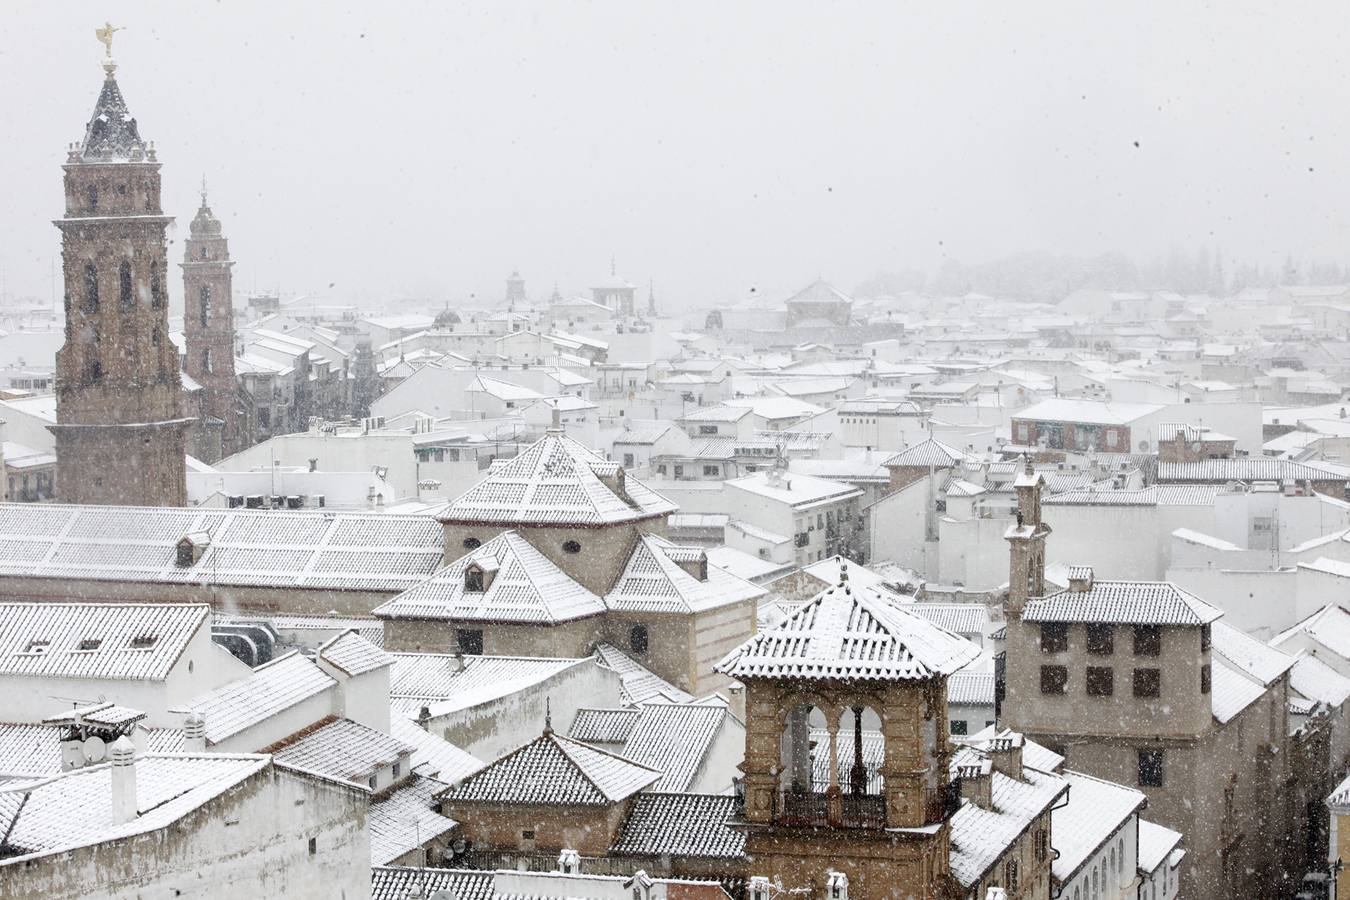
205, 224
445, 318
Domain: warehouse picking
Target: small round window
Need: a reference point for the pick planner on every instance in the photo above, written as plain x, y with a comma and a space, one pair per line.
472, 543
571, 546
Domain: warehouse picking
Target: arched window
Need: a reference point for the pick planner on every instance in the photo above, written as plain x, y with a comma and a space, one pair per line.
155, 339
638, 638
156, 287
472, 543
90, 304
204, 303
126, 293
571, 546
94, 372
206, 361
203, 253
91, 198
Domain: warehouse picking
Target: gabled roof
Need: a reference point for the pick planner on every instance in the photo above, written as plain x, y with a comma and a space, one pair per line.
927, 453
1231, 692
526, 587
445, 682
340, 748
675, 739
555, 481
1329, 626
1248, 655
553, 770
74, 809
1155, 843
1318, 681
433, 755
980, 837
845, 632
140, 641
604, 726
404, 820
653, 581
1096, 810
273, 687
680, 825
966, 688
353, 654
1123, 603
394, 882
638, 683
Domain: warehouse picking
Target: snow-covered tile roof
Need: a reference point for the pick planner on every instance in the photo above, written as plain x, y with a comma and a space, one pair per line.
353, 654
653, 581
971, 688
554, 770
433, 755
394, 882
555, 481
140, 641
1088, 412
1329, 626
29, 749
404, 820
638, 684
799, 491
273, 687
958, 618
74, 809
929, 452
1123, 603
1251, 468
674, 739
1247, 654
1231, 692
980, 837
680, 825
340, 748
1095, 810
1155, 842
847, 632
526, 587
282, 548
1038, 756
1318, 681
445, 682
597, 726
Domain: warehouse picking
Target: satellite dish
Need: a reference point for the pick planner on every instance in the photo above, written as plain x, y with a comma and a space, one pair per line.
94, 749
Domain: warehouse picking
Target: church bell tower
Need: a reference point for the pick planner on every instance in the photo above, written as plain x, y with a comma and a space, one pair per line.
120, 430
208, 327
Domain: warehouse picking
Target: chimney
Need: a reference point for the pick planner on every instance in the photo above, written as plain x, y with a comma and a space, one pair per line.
569, 862
1080, 579
123, 781
977, 783
194, 733
1005, 752
836, 885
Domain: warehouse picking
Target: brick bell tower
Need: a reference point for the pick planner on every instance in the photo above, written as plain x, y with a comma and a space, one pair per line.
120, 429
208, 328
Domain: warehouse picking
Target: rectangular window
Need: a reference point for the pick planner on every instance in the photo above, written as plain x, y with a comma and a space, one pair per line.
313, 846
959, 726
628, 460
707, 429
1101, 639
1147, 640
470, 641
1205, 679
1054, 679
1101, 681
1147, 682
1150, 768
1054, 637
711, 470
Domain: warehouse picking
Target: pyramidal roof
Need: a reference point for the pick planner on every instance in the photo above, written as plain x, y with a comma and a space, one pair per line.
526, 587
111, 135
850, 632
927, 453
556, 481
820, 291
552, 769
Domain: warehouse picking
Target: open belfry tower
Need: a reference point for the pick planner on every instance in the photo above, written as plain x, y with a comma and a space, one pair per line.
847, 757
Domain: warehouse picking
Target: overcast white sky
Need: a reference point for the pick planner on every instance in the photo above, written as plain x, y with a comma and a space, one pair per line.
409, 149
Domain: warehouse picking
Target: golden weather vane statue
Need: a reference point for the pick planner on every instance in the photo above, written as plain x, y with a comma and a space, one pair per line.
105, 36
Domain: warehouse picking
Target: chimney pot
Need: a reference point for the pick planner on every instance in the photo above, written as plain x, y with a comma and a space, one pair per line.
194, 733
123, 781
